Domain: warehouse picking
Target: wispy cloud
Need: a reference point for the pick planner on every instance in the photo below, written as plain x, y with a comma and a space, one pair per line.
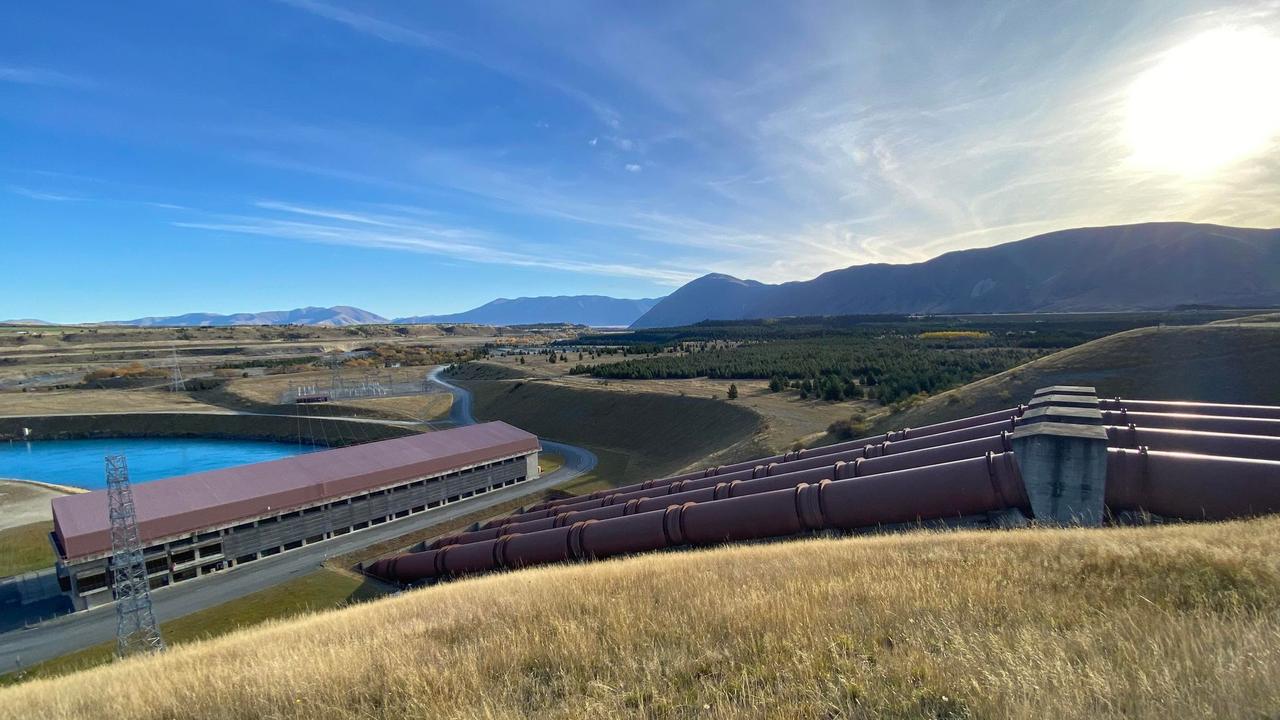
39, 76
775, 145
41, 195
410, 233
458, 48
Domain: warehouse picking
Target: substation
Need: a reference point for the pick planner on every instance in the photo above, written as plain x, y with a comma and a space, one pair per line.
1067, 457
203, 523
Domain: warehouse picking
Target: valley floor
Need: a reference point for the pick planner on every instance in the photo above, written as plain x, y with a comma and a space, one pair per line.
1174, 621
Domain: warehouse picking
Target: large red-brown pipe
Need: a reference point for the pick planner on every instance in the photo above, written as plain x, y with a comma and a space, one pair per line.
917, 458
895, 436
801, 459
1191, 487
1258, 447
1194, 408
955, 489
1187, 421
720, 488
807, 470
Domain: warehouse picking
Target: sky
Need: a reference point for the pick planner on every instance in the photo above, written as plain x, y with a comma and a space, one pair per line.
417, 158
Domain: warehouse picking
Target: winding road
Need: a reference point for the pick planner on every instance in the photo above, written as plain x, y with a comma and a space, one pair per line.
577, 461
68, 633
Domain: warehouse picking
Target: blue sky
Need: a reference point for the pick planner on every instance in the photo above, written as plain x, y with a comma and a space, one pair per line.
410, 158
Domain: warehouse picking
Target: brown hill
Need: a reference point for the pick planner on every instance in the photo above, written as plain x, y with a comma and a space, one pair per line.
1232, 363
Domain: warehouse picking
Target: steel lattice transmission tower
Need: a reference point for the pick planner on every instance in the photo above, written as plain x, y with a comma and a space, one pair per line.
136, 629
176, 383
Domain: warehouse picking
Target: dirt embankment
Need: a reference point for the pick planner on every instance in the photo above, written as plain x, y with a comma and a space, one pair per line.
653, 433
330, 432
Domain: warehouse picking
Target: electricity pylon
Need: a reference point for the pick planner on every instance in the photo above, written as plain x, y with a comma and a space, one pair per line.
136, 629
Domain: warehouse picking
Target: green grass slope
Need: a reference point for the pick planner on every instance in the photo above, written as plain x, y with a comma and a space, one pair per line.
1232, 363
25, 548
1158, 622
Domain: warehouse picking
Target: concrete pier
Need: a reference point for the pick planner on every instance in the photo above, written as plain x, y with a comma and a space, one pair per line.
1061, 446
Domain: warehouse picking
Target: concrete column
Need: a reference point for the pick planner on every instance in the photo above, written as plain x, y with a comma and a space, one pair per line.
1066, 390
1062, 453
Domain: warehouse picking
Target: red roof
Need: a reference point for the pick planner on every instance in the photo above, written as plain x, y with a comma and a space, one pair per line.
187, 503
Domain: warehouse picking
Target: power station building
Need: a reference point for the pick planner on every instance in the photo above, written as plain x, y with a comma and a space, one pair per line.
198, 524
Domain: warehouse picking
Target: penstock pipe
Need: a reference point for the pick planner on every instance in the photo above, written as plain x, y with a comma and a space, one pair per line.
956, 489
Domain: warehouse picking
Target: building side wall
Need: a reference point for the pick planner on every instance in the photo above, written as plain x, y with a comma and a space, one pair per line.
88, 582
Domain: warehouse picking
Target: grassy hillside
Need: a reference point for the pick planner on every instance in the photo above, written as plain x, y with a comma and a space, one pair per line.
650, 433
25, 548
1236, 363
319, 590
1175, 621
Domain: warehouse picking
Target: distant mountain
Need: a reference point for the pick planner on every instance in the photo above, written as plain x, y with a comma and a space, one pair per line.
1125, 267
594, 310
26, 321
334, 316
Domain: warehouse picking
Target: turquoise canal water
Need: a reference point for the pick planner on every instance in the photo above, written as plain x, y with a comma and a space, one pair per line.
80, 462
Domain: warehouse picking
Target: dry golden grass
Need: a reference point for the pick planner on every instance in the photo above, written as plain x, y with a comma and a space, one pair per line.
1147, 623
429, 406
97, 401
954, 335
268, 389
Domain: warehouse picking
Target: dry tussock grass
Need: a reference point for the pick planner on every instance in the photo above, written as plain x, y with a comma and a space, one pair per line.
1148, 623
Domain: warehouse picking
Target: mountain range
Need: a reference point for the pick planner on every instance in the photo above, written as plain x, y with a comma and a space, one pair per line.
337, 315
1147, 266
1125, 267
593, 310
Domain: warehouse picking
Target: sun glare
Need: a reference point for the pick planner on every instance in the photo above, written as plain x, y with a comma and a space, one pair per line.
1207, 103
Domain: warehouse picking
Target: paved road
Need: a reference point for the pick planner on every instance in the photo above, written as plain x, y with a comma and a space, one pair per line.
21, 648
576, 460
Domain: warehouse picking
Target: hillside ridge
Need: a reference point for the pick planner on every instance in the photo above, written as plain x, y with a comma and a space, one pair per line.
1123, 267
1185, 362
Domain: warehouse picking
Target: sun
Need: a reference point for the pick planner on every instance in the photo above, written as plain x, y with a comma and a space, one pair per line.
1207, 103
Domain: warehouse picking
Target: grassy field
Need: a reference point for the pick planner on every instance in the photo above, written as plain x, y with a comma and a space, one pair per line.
320, 590
655, 433
549, 462
1158, 622
97, 401
1234, 363
25, 548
